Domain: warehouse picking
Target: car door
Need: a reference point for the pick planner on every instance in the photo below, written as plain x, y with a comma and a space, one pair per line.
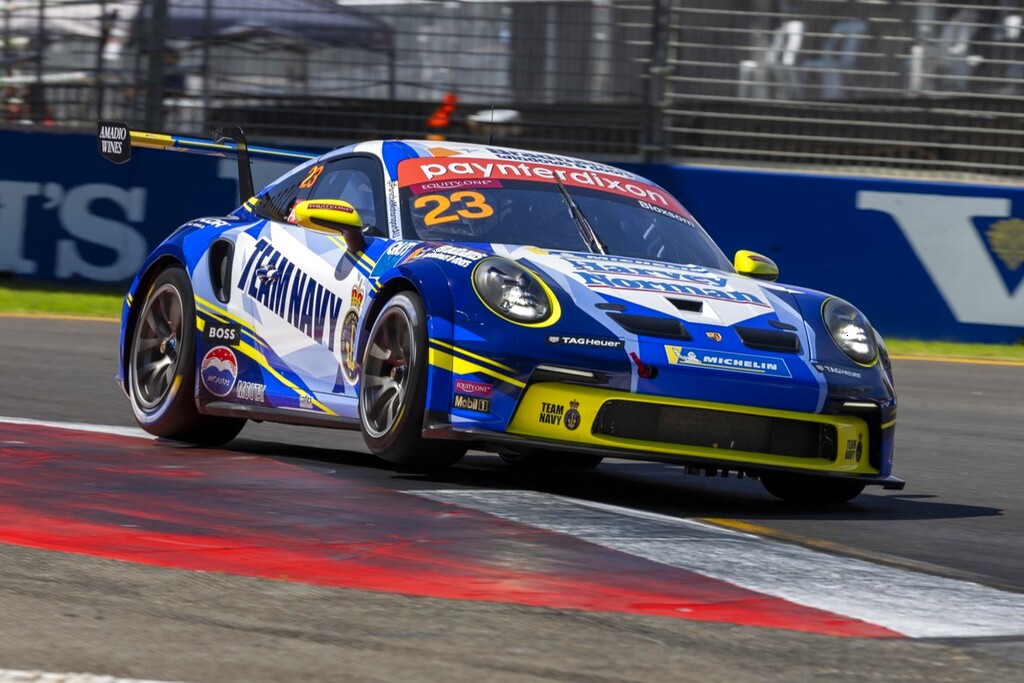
307, 290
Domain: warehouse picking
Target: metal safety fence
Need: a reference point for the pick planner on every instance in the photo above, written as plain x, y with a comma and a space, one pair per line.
879, 85
921, 85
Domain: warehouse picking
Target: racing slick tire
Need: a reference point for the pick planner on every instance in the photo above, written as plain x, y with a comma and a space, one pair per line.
393, 389
162, 367
550, 460
810, 490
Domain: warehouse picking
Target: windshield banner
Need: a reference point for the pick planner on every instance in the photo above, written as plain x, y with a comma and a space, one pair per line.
417, 172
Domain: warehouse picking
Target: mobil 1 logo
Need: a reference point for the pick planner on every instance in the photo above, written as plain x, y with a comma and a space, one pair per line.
114, 141
227, 334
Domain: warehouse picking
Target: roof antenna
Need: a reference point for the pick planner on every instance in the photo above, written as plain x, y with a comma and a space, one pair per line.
490, 136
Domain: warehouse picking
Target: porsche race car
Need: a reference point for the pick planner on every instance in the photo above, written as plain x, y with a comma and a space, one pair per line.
441, 296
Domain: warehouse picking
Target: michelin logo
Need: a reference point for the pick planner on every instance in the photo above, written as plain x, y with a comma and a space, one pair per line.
736, 362
941, 231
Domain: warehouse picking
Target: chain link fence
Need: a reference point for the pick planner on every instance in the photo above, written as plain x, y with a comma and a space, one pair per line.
886, 86
926, 86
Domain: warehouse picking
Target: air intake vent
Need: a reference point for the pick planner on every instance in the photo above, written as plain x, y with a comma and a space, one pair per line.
716, 429
651, 326
221, 252
769, 340
687, 305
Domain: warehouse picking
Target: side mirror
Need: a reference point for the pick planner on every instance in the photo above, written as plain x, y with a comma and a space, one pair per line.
754, 265
332, 215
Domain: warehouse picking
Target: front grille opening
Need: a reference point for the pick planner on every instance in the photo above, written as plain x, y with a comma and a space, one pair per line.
716, 429
769, 340
651, 326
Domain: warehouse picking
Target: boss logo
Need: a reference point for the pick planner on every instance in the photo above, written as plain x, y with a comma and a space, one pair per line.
218, 333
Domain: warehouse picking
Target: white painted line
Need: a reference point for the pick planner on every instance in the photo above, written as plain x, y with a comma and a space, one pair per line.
15, 676
914, 604
79, 427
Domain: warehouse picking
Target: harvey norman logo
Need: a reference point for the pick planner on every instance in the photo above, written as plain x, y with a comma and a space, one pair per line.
971, 247
736, 362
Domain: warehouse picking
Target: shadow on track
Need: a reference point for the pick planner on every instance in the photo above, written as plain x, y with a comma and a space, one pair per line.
652, 487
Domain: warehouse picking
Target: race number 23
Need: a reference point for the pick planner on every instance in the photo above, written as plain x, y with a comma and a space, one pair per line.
311, 177
443, 209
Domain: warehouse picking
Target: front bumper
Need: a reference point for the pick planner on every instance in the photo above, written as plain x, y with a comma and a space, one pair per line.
612, 423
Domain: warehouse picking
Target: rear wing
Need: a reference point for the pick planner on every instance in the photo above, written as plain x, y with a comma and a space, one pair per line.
115, 142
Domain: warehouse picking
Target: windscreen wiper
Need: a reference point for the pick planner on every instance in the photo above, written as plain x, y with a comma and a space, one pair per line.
586, 229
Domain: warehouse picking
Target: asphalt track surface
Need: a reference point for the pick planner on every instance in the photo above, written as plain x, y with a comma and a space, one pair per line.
959, 444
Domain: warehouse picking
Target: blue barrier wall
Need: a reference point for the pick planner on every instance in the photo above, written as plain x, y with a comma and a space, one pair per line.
925, 260
67, 215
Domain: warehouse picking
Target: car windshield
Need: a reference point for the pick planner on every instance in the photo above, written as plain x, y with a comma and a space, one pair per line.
630, 218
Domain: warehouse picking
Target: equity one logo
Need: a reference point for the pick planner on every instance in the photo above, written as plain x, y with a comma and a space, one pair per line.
941, 232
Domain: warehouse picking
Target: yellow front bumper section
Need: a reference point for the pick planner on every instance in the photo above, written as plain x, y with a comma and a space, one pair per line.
565, 413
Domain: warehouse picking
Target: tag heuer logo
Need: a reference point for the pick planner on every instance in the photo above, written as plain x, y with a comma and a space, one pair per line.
714, 335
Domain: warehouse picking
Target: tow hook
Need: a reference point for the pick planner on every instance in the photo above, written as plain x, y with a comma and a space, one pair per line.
643, 371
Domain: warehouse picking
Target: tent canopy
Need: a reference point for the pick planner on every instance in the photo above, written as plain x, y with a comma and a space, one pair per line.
319, 21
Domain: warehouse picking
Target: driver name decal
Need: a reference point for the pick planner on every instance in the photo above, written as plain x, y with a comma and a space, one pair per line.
587, 266
292, 295
599, 281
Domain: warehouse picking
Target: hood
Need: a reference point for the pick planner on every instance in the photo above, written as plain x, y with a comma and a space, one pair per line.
697, 295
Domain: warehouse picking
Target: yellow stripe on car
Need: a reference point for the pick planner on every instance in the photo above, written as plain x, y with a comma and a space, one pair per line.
461, 366
224, 314
255, 354
474, 356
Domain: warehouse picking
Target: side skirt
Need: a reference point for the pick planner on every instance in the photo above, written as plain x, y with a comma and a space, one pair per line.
282, 415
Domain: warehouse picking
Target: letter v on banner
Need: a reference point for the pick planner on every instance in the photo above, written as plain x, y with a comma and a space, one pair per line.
941, 232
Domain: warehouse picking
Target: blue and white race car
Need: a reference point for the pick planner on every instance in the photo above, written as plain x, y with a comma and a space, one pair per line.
442, 296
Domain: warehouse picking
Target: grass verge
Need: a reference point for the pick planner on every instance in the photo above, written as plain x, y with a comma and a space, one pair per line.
40, 299
941, 349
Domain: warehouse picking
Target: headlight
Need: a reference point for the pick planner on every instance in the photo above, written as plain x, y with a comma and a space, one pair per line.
850, 330
511, 291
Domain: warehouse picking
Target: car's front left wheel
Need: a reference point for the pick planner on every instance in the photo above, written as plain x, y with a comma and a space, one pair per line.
162, 367
393, 389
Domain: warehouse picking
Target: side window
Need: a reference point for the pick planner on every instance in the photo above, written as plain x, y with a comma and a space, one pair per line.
277, 203
358, 180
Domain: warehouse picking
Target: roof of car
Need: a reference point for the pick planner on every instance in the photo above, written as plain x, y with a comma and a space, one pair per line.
394, 151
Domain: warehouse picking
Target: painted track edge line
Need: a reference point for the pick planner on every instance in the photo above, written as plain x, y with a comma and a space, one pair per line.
113, 430
885, 559
908, 602
19, 676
